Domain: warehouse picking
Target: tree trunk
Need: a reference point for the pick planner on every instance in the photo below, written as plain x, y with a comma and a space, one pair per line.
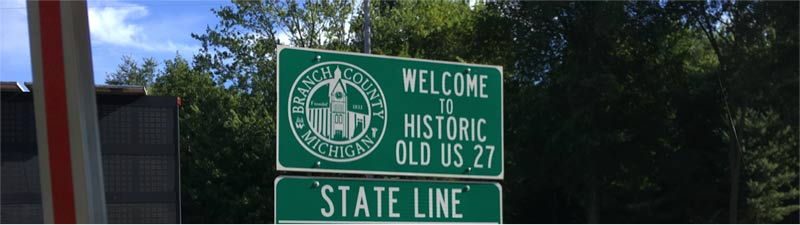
733, 142
592, 210
733, 157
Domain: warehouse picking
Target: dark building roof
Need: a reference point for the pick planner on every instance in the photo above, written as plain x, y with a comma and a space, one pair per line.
11, 86
8, 86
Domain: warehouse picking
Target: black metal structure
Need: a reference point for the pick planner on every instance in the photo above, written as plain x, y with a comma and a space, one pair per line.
139, 137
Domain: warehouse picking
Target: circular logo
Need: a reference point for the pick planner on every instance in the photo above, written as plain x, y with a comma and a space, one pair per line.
337, 111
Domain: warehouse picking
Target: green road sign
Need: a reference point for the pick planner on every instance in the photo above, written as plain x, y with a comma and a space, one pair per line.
328, 200
369, 114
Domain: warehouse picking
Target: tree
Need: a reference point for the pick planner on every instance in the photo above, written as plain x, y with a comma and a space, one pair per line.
224, 177
234, 147
746, 41
419, 29
316, 24
769, 166
614, 112
615, 91
129, 72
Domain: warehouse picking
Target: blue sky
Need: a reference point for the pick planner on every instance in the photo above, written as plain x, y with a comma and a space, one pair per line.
139, 28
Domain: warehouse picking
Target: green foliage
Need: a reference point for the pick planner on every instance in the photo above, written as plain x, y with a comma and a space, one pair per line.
769, 165
225, 141
315, 24
131, 73
420, 29
615, 111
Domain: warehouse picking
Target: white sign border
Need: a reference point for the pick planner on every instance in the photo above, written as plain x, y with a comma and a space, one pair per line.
280, 167
279, 178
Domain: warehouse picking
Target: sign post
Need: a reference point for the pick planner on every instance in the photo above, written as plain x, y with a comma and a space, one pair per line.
332, 200
70, 164
370, 114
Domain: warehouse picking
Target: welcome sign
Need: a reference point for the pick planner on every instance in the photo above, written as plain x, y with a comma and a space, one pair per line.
370, 114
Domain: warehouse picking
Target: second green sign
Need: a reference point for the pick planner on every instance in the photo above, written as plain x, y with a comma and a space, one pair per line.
328, 200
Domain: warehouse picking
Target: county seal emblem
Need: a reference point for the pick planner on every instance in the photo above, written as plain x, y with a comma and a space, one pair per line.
337, 111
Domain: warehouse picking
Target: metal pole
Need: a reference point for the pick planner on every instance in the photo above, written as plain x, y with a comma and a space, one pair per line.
367, 36
70, 165
367, 28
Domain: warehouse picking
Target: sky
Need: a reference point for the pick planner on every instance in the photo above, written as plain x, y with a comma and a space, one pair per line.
139, 28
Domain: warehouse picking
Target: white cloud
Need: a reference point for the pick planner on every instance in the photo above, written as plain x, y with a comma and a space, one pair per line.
117, 28
116, 25
111, 25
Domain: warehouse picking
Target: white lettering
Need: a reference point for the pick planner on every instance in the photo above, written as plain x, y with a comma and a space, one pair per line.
392, 201
324, 191
416, 205
378, 191
455, 202
344, 189
409, 76
441, 203
422, 81
361, 203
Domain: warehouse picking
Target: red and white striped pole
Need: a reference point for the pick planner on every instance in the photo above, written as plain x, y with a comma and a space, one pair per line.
70, 167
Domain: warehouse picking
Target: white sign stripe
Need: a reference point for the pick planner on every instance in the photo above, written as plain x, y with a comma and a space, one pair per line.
377, 222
